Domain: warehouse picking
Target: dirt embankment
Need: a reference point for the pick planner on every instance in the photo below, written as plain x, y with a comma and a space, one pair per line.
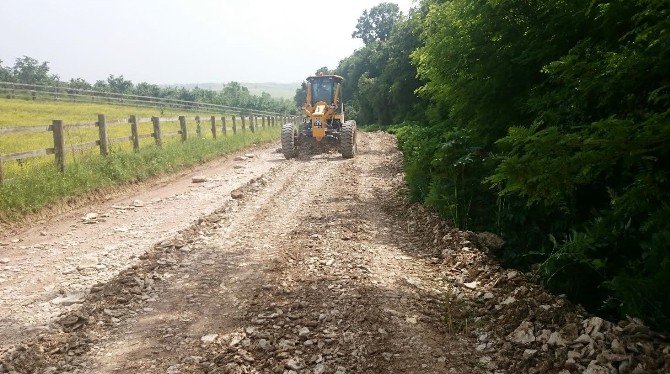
318, 266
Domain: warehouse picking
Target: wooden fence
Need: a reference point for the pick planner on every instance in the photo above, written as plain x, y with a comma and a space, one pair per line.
37, 91
58, 127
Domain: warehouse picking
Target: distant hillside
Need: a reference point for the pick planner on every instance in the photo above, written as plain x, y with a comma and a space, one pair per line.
278, 90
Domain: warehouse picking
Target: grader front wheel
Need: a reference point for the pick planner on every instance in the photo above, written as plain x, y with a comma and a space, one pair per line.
288, 141
348, 139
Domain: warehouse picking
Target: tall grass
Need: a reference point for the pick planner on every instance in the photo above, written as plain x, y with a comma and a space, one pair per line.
34, 183
31, 191
19, 112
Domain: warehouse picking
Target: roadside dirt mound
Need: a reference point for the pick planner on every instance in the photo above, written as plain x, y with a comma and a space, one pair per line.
518, 326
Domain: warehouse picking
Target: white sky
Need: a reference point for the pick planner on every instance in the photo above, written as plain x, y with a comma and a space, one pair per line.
182, 41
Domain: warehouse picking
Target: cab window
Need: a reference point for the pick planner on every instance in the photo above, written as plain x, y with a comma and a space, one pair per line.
322, 90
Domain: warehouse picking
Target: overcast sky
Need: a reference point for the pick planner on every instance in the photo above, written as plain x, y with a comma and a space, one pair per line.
182, 41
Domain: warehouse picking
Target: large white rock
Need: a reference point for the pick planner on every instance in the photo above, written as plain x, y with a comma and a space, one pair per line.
523, 334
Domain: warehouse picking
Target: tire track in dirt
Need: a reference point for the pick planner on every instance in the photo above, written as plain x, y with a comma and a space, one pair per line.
48, 267
309, 273
220, 279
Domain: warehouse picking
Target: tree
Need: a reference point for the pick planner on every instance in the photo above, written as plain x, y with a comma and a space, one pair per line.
377, 23
300, 95
380, 79
119, 84
235, 94
146, 89
5, 74
101, 85
548, 124
79, 83
323, 70
30, 71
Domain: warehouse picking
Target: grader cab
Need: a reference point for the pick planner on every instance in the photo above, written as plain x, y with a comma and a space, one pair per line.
324, 125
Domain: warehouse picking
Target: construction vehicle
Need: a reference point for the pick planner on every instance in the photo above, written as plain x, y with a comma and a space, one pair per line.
323, 126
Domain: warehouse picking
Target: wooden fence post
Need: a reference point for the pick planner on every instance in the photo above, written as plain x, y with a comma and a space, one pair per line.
244, 124
234, 126
223, 126
198, 128
213, 119
252, 124
59, 144
134, 133
157, 131
183, 130
255, 122
102, 132
263, 121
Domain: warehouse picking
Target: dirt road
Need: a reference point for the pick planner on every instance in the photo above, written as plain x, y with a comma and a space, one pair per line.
308, 270
317, 266
48, 268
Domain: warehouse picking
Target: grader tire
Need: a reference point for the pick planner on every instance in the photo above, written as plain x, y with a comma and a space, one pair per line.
348, 139
288, 141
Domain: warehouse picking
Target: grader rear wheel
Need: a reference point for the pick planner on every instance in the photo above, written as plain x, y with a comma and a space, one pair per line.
348, 139
289, 137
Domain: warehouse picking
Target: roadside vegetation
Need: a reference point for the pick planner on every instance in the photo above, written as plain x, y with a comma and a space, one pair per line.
19, 112
546, 122
33, 184
42, 185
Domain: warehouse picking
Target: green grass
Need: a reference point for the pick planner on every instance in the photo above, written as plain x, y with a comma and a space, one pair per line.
21, 112
18, 112
35, 183
43, 185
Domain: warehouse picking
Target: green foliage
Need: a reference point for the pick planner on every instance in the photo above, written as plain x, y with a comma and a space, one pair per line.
377, 24
80, 84
30, 71
5, 74
444, 169
597, 152
19, 197
380, 79
119, 84
300, 95
549, 123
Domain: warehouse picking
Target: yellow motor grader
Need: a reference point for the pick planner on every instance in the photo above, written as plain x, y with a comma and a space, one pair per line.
324, 123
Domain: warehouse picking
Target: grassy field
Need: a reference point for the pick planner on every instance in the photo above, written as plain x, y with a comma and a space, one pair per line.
17, 112
35, 183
